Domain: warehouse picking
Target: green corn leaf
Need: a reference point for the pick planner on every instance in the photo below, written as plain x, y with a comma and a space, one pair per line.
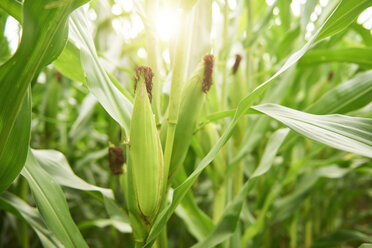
13, 204
14, 154
345, 13
196, 221
229, 220
52, 204
365, 245
293, 200
98, 82
341, 237
243, 106
305, 16
288, 204
13, 8
357, 55
69, 63
43, 38
86, 111
56, 165
346, 97
342, 132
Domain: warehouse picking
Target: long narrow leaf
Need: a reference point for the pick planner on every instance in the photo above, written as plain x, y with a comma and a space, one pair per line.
12, 203
346, 133
98, 82
52, 204
229, 220
56, 165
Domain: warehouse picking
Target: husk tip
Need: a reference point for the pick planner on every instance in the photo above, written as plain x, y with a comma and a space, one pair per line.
148, 75
208, 70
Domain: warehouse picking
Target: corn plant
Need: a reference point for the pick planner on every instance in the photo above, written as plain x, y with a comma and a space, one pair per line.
203, 123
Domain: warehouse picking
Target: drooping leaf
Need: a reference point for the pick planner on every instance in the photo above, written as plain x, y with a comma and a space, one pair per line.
346, 97
13, 204
56, 165
355, 55
52, 204
346, 133
98, 82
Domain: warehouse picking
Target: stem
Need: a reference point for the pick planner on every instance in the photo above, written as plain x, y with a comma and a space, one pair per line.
175, 92
224, 54
219, 203
152, 55
249, 53
237, 178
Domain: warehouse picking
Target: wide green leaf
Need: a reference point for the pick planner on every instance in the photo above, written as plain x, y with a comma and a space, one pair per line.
13, 8
357, 55
346, 133
14, 154
345, 13
52, 204
43, 38
346, 97
69, 63
56, 165
98, 82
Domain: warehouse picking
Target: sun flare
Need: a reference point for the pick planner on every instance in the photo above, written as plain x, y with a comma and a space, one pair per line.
166, 23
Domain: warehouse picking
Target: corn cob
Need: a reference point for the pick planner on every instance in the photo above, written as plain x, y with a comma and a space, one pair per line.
146, 157
193, 97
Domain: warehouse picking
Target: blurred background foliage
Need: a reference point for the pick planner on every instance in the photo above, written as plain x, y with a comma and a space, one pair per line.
313, 195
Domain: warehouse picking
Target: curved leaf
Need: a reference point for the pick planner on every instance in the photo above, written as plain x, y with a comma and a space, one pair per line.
346, 133
12, 203
98, 82
52, 204
346, 97
357, 55
43, 38
56, 165
345, 13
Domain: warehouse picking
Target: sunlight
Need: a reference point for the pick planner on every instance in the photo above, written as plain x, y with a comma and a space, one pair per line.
166, 23
12, 32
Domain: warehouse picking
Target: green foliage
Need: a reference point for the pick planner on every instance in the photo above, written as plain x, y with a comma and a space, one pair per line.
272, 150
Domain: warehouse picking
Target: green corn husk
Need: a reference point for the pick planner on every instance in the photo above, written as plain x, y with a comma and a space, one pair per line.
148, 174
193, 97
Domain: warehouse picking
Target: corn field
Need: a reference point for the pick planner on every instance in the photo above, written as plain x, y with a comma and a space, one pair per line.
186, 123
